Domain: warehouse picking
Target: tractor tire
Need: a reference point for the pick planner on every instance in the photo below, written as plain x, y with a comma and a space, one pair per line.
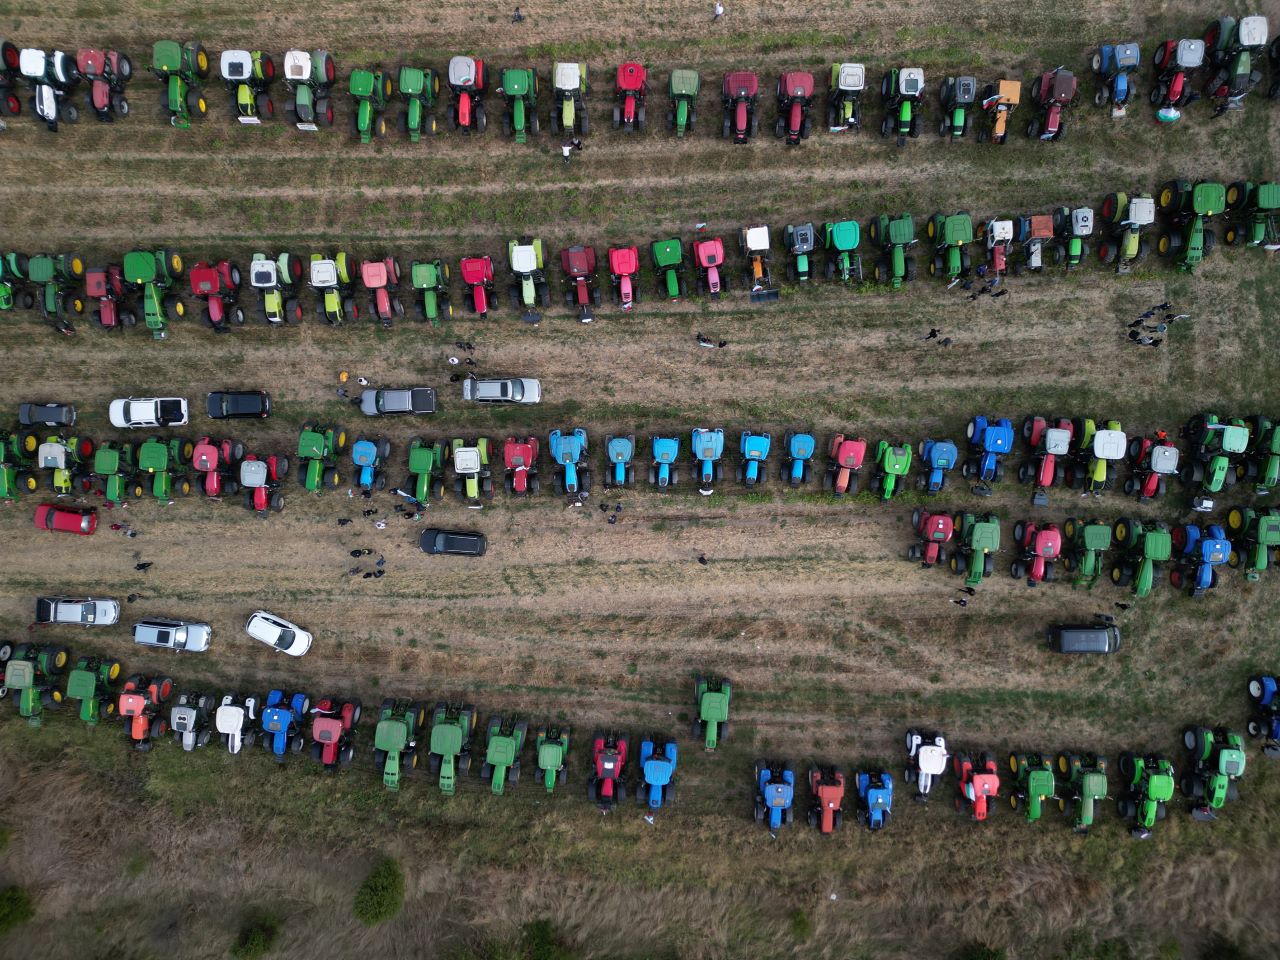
1209, 241
1033, 129
640, 120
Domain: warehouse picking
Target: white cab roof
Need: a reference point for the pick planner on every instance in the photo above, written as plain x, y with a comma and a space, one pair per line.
911, 81
297, 65
524, 259
567, 76
852, 76
236, 64
1057, 441
758, 238
324, 273
1110, 444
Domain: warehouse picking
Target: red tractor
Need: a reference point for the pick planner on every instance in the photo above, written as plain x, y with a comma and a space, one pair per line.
382, 278
709, 256
467, 81
106, 285
216, 461
624, 274
1053, 92
477, 274
935, 531
521, 458
1174, 62
606, 786
978, 785
107, 72
826, 786
1041, 545
1154, 459
1050, 441
141, 701
846, 456
218, 285
333, 731
740, 93
630, 88
795, 93
579, 266
260, 479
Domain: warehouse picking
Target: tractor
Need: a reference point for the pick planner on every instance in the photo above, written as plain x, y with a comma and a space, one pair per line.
1084, 544
775, 794
926, 761
657, 772
624, 276
662, 471
682, 88
395, 739
1231, 46
283, 722
893, 464
333, 731
1198, 552
368, 455
708, 257
52, 77
181, 67
1052, 92
504, 739
799, 239
796, 468
105, 287
950, 236
472, 480
956, 95
1215, 447
141, 701
875, 798
711, 701
1148, 781
69, 461
578, 263
1033, 783
1265, 721
334, 283
1050, 442
844, 99
159, 459
1083, 777
1255, 215
309, 78
1255, 536
381, 279
32, 672
1123, 217
477, 274
844, 465
708, 447
420, 88
1072, 230
1188, 237
218, 285
216, 462
552, 750
318, 449
668, 264
520, 87
902, 92
276, 281
107, 72
372, 91
570, 453
979, 783
467, 81
528, 289
1040, 545
1113, 65
978, 538
620, 451
1142, 549
260, 482
452, 728
1034, 233
754, 447
934, 531
18, 464
1215, 764
893, 235
739, 95
1093, 468
520, 456
57, 279
754, 242
234, 721
630, 89
248, 75
152, 276
115, 468
1261, 462
1175, 62
826, 790
569, 89
607, 783
1153, 461
191, 720
95, 683
795, 94
426, 470
10, 61
431, 279
990, 439
999, 100
937, 459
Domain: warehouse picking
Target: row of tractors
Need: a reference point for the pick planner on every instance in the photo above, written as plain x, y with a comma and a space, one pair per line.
1223, 63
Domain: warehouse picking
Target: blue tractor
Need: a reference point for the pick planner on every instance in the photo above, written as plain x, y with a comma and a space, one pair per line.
657, 773
368, 455
937, 458
662, 472
755, 451
1265, 722
1113, 64
569, 450
775, 792
1197, 553
283, 720
619, 451
990, 439
875, 798
800, 447
708, 448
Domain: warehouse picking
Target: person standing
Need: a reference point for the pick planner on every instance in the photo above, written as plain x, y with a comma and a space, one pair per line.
719, 11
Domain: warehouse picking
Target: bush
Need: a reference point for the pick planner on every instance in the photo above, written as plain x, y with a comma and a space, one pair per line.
257, 937
15, 908
381, 895
539, 941
980, 951
801, 925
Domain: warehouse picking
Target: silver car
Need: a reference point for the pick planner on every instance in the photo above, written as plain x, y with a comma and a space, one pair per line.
505, 390
189, 635
78, 611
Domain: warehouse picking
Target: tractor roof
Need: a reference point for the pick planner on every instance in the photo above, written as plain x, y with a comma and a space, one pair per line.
910, 81
851, 77
931, 758
1141, 212
684, 83
52, 455
1096, 536
796, 83
106, 460
412, 81
517, 83
756, 239
501, 750
391, 735
140, 267
1048, 542
253, 474
902, 230
741, 83
1251, 32
984, 536
803, 237
236, 64
424, 457
631, 76
446, 738
462, 72
1164, 459
1231, 761
1040, 227
1127, 55
1160, 786
1064, 86
666, 449
362, 83
1208, 198
568, 76
1057, 441
153, 455
324, 273
714, 706
166, 55
297, 65
524, 257
1269, 530
801, 445
1110, 444
19, 674
1268, 197
263, 274
966, 90
624, 259
373, 273
1157, 545
999, 231
709, 252
466, 460
550, 754
424, 274
40, 268
755, 446
205, 456
311, 444
957, 229
1190, 54
845, 235
708, 444
81, 684
326, 729
1235, 438
939, 527
1093, 785
1082, 222
1009, 92
1040, 783
364, 452
667, 253
204, 280
476, 269
515, 453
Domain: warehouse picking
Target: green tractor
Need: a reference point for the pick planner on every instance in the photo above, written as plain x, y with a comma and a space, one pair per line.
1033, 783
711, 697
950, 236
569, 89
318, 450
68, 460
32, 673
520, 87
333, 280
1188, 237
1148, 787
420, 89
371, 90
426, 470
395, 739
668, 264
1143, 547
1215, 762
452, 727
893, 235
58, 278
158, 458
13, 283
978, 536
1255, 215
1085, 778
153, 275
1123, 217
181, 67
472, 477
682, 88
504, 739
115, 468
1255, 537
841, 239
1214, 447
528, 289
96, 684
893, 463
431, 277
552, 748
1261, 463
1084, 543
18, 463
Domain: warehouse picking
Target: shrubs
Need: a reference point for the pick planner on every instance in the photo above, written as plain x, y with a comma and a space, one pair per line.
15, 908
381, 895
257, 937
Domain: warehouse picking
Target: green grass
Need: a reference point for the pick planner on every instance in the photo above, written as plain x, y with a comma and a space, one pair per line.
15, 908
381, 895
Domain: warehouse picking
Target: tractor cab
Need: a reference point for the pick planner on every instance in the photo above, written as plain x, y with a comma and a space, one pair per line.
708, 447
568, 111
465, 74
795, 91
708, 254
569, 450
520, 457
800, 449
739, 93
658, 772
911, 82
927, 758
630, 88
800, 239
755, 243
775, 794
844, 102
999, 236
309, 77
619, 451
754, 448
624, 270
1033, 233
666, 451
999, 100
254, 481
682, 87
466, 80
875, 795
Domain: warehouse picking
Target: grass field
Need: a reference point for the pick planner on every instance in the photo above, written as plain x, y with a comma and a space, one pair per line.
834, 642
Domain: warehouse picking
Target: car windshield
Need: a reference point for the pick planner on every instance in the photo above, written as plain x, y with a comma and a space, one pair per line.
285, 640
44, 609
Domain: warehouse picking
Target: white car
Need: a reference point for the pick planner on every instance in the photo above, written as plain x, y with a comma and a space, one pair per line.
505, 390
148, 412
80, 611
278, 633
179, 635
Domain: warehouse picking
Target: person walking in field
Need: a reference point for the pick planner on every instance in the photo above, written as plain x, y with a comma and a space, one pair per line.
566, 150
719, 11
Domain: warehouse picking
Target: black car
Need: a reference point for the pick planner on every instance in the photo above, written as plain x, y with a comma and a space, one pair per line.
239, 404
462, 543
47, 415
